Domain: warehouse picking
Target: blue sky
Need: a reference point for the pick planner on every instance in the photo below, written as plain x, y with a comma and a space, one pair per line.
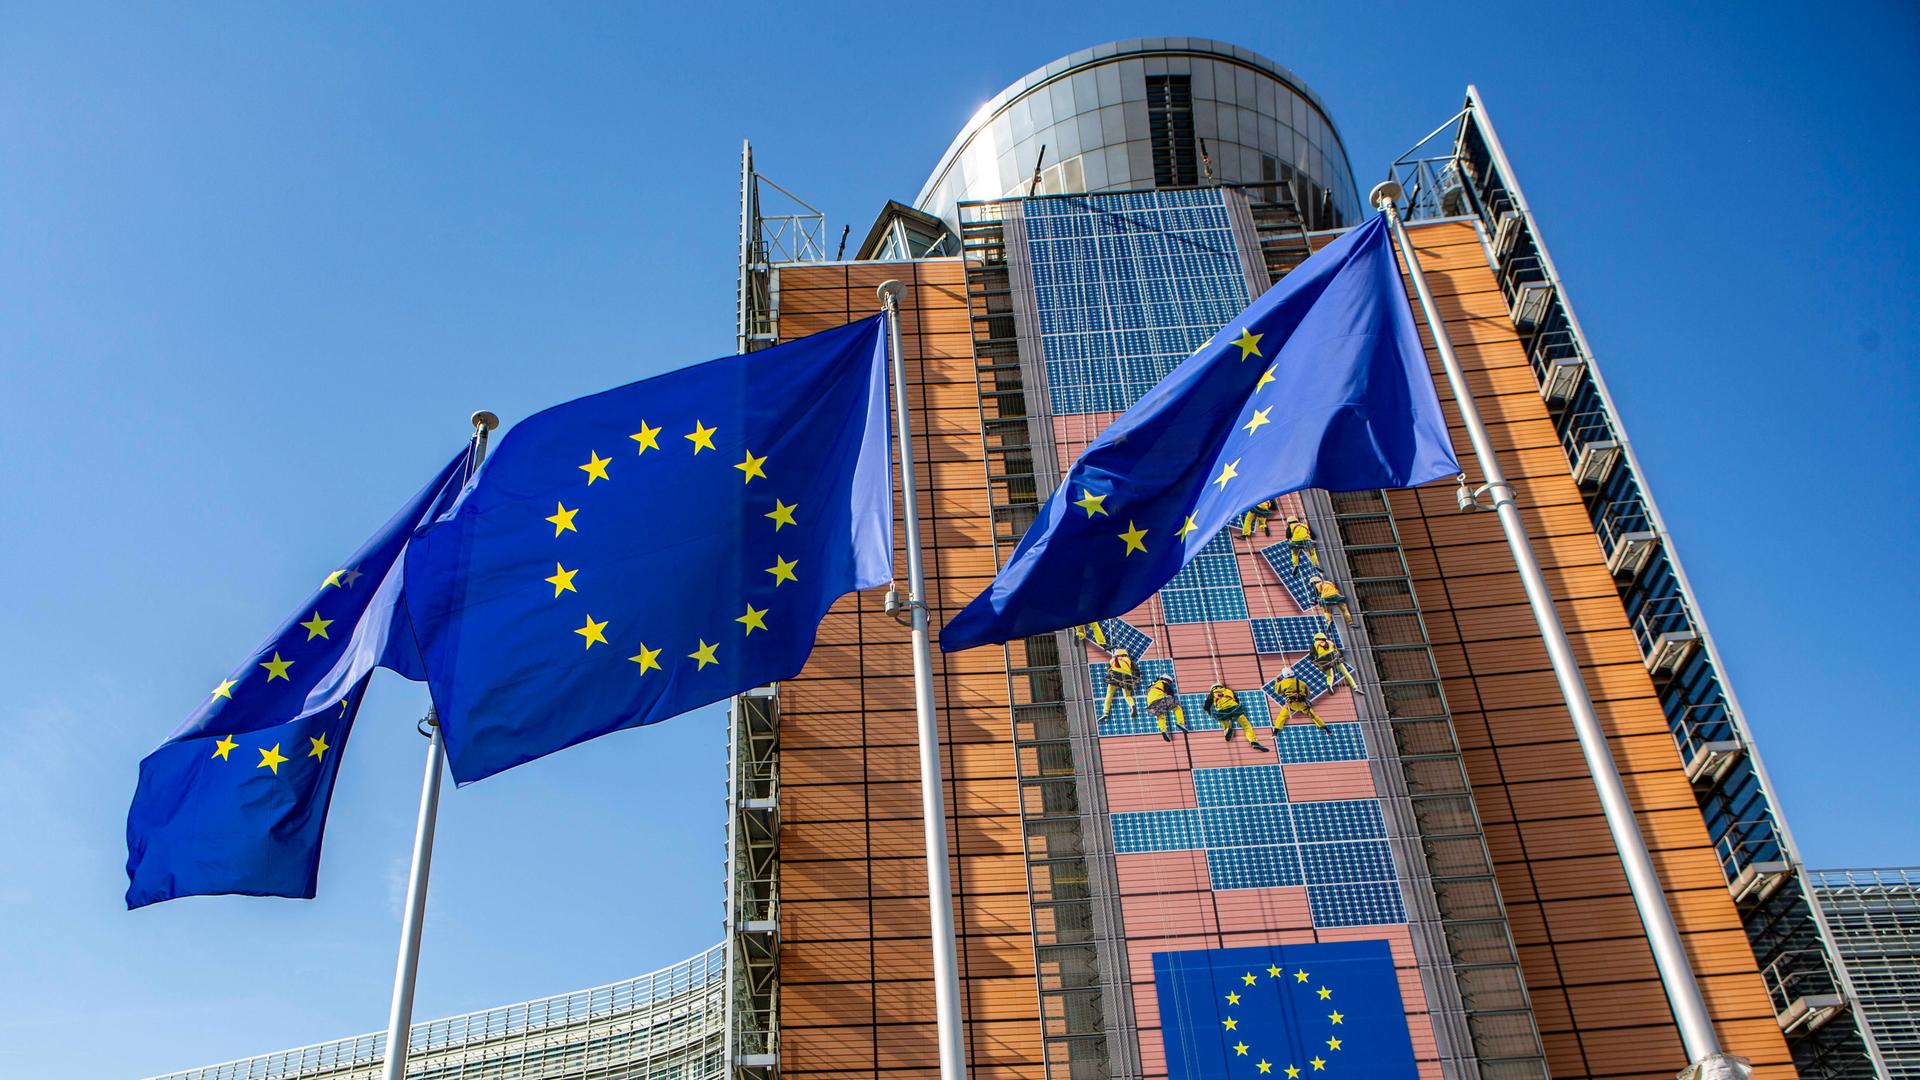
257, 266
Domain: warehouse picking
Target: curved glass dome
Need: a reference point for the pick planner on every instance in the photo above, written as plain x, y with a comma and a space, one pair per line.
1146, 113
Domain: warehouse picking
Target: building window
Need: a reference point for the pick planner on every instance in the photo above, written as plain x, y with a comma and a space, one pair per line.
1176, 157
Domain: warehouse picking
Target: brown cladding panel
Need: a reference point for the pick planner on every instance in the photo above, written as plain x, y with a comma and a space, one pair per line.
855, 957
1595, 991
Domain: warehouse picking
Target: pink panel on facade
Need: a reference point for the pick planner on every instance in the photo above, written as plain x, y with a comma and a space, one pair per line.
1140, 754
1212, 750
1263, 909
1148, 872
1149, 791
1185, 641
1329, 780
1153, 915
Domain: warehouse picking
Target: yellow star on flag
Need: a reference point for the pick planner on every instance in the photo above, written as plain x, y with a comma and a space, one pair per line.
1233, 998
1325, 993
1230, 1023
752, 468
320, 747
1336, 1016
1265, 378
224, 747
1273, 971
1091, 503
782, 570
316, 627
1300, 976
648, 659
1135, 536
1318, 1064
1248, 343
1227, 472
563, 519
596, 467
225, 689
1333, 1044
1265, 1066
333, 579
562, 580
1189, 527
1240, 1049
703, 655
1259, 418
755, 619
593, 632
648, 438
782, 514
1293, 1072
1248, 978
276, 667
702, 437
270, 759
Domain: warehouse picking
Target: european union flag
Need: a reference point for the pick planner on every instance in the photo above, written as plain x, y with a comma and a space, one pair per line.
631, 555
1287, 1011
236, 800
1319, 383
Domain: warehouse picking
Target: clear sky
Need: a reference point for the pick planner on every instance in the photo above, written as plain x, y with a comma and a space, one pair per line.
257, 264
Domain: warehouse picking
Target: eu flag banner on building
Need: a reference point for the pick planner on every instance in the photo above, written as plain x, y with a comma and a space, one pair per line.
236, 800
629, 556
1293, 1012
1320, 383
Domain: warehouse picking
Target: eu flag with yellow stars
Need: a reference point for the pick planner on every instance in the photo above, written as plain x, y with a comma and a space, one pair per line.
1292, 1012
236, 800
1320, 383
629, 556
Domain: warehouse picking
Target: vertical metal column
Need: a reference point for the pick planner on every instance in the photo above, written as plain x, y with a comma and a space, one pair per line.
1702, 1043
933, 802
407, 968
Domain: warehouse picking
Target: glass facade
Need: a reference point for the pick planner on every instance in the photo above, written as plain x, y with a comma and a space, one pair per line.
1150, 113
1874, 917
667, 1025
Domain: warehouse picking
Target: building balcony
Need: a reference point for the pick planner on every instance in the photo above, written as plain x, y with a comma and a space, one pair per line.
1558, 364
1755, 864
1805, 990
1666, 635
1591, 447
1709, 744
1508, 227
1523, 278
1627, 537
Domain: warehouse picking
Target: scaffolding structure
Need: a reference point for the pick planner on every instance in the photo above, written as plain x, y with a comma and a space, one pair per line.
1874, 920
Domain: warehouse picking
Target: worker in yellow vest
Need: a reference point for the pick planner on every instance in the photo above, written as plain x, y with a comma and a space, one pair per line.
1224, 705
1296, 697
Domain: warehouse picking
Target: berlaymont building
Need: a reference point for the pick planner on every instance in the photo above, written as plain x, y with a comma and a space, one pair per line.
1089, 228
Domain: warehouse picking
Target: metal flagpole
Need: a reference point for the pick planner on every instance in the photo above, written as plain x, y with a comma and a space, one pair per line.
407, 969
1669, 954
933, 803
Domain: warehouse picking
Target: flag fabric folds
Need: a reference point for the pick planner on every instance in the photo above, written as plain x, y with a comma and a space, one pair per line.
236, 800
1285, 1011
1320, 383
629, 556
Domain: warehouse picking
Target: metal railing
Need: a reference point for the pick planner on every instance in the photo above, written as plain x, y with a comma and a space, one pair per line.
1799, 975
1583, 429
668, 1022
1621, 521
1658, 618
1746, 844
1699, 727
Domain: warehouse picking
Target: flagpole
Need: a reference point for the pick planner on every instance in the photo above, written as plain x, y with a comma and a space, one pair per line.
933, 803
407, 968
1697, 1035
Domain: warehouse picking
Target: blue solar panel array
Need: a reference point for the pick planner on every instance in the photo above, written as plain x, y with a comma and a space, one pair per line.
1121, 634
1291, 634
1313, 677
1280, 558
1255, 839
1207, 589
1127, 287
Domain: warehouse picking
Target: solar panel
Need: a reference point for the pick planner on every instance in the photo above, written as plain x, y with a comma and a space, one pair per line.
1291, 634
1314, 679
1125, 719
1253, 867
1279, 558
1121, 634
1340, 819
1304, 744
1156, 830
1209, 588
1337, 864
1243, 826
1239, 785
1364, 904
